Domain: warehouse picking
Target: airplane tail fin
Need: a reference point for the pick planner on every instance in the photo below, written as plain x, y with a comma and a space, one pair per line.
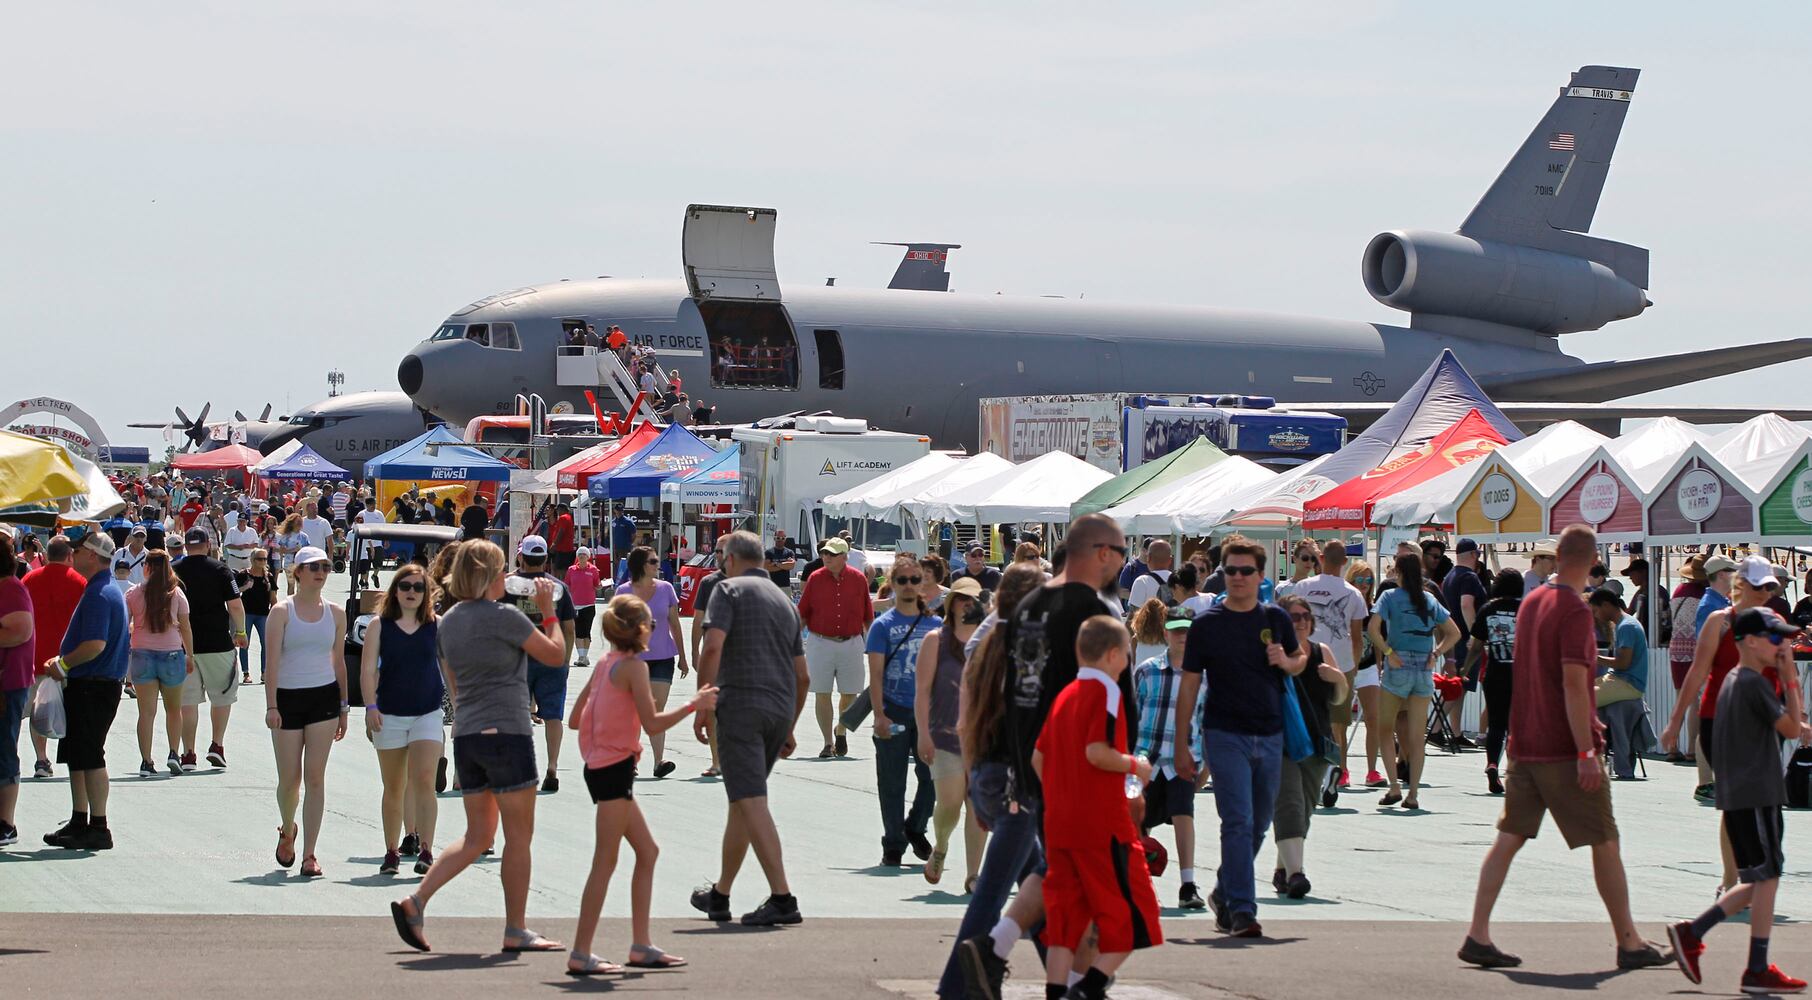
1547, 194
922, 268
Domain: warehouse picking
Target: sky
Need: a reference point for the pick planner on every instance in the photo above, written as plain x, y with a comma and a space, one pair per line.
215, 201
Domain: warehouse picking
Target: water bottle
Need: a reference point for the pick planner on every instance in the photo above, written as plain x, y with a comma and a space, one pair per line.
524, 586
896, 728
1133, 788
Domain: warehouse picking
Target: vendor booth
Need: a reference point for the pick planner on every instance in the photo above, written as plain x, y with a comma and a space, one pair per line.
1039, 491
303, 465
1153, 475
435, 458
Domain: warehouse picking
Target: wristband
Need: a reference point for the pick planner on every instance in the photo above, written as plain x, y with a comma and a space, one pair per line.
550, 620
370, 708
691, 706
1587, 754
1132, 764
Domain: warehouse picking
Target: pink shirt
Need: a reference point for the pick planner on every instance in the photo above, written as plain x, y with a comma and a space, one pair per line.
582, 584
612, 729
142, 636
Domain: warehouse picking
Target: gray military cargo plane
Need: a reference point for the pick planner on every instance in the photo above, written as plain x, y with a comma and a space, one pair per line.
1519, 273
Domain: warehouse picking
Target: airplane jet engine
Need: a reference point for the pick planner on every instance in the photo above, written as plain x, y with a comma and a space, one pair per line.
1442, 276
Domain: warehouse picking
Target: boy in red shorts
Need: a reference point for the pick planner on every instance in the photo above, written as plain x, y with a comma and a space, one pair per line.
1097, 872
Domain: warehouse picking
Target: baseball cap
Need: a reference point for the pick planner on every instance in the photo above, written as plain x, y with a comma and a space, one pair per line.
978, 550
1756, 572
1718, 564
834, 546
1781, 574
967, 586
1760, 621
1637, 563
582, 550
195, 536
98, 543
139, 529
1178, 619
534, 546
310, 554
1466, 545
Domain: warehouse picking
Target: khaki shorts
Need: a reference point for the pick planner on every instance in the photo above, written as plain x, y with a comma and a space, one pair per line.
215, 680
945, 764
1340, 713
1530, 790
832, 663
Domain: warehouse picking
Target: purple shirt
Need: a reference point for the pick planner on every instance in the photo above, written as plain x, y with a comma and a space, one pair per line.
660, 640
16, 661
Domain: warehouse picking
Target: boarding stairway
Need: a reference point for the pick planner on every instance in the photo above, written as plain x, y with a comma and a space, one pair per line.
590, 367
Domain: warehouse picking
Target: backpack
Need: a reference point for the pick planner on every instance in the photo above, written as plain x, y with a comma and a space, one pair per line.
1799, 779
1164, 590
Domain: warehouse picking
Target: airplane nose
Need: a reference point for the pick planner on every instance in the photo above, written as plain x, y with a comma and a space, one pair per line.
409, 375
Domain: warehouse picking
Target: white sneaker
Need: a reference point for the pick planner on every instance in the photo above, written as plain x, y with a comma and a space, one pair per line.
582, 662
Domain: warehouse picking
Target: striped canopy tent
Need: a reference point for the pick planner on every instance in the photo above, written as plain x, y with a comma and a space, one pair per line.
1501, 496
1348, 507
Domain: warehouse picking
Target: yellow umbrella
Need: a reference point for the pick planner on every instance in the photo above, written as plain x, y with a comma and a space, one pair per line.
32, 469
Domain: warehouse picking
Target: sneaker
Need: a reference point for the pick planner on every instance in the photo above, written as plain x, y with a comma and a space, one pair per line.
1082, 991
423, 862
1245, 925
42, 769
713, 904
1297, 887
892, 859
392, 862
174, 763
1687, 949
1461, 742
550, 783
146, 769
582, 661
1493, 783
1223, 921
216, 755
411, 845
773, 910
90, 838
1646, 957
1487, 956
1375, 780
1346, 778
921, 847
983, 971
664, 768
188, 762
1189, 897
1771, 981
1706, 792
9, 834
1278, 882
61, 836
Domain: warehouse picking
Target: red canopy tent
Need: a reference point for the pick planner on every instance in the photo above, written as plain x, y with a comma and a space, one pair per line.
1349, 505
577, 475
230, 458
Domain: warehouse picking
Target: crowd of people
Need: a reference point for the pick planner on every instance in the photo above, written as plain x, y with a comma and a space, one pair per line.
1059, 713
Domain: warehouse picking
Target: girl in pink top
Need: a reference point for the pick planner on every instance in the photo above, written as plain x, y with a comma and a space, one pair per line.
613, 709
160, 657
582, 584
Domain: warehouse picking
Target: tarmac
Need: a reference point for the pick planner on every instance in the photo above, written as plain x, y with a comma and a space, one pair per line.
191, 891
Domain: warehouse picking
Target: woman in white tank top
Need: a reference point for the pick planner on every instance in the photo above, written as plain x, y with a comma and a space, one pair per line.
305, 701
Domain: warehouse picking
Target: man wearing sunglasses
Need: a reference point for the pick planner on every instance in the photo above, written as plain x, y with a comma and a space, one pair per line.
217, 621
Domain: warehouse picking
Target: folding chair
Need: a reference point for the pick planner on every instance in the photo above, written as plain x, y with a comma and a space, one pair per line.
1636, 726
1439, 730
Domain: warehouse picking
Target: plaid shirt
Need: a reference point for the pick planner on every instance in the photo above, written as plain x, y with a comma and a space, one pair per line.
1156, 685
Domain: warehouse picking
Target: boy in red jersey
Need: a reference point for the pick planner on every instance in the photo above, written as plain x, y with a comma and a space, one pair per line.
1097, 870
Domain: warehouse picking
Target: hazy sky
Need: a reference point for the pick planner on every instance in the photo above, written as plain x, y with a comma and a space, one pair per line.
221, 201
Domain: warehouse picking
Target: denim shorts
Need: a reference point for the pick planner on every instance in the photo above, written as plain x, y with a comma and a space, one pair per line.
158, 666
13, 706
1412, 680
495, 762
547, 689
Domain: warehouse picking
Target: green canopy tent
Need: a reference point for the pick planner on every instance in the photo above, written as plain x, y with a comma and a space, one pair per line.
1193, 457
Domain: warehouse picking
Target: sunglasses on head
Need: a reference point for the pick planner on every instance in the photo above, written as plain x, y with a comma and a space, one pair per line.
413, 587
900, 580
1240, 570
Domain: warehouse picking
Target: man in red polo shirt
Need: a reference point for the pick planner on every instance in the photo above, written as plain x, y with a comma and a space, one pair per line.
56, 588
836, 609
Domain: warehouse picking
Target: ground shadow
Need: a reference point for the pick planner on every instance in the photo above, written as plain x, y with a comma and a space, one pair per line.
1305, 901
399, 880
940, 897
883, 871
1229, 941
45, 854
1559, 980
596, 984
278, 877
456, 963
728, 927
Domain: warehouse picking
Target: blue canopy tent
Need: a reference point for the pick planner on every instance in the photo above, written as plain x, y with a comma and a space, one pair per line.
713, 482
305, 464
450, 460
675, 452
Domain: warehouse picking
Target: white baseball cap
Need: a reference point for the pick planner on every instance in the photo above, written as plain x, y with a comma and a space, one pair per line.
311, 554
1756, 571
534, 546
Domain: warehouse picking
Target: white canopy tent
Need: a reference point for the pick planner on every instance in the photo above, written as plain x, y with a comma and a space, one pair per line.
1272, 507
1544, 460
879, 498
1755, 452
1188, 504
548, 480
278, 457
1040, 490
915, 499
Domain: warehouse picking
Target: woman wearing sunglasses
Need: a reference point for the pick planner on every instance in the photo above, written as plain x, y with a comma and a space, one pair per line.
304, 702
1320, 685
401, 666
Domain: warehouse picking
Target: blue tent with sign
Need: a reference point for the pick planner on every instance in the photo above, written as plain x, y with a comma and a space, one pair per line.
675, 452
438, 454
305, 464
716, 481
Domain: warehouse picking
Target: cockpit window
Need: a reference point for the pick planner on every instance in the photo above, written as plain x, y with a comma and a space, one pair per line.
299, 420
479, 333
503, 337
451, 331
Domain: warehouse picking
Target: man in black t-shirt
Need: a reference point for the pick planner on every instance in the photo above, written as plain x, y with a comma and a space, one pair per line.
975, 566
780, 561
1464, 595
217, 625
547, 685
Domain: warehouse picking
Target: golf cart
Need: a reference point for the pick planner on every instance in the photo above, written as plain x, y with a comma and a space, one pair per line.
362, 605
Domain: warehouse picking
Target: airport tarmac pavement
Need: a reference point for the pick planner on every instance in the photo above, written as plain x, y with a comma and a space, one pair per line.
192, 884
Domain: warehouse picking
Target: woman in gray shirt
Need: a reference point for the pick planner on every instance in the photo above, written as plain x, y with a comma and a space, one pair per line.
485, 646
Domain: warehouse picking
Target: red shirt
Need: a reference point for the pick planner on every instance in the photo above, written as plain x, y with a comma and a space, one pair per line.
1084, 806
189, 512
1553, 626
836, 606
56, 589
562, 540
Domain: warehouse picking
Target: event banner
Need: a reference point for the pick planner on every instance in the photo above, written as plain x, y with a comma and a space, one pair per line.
1021, 428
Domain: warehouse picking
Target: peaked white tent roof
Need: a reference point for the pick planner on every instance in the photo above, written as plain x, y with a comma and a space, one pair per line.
278, 457
1039, 490
970, 470
879, 498
1755, 451
1544, 460
1192, 504
1645, 454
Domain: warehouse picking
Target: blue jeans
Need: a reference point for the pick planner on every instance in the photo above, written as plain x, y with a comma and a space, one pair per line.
1246, 771
1012, 855
892, 756
254, 624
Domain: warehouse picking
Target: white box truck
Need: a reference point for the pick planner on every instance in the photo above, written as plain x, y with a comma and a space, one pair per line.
786, 472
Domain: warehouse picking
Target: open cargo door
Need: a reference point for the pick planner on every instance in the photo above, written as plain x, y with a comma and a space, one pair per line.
729, 253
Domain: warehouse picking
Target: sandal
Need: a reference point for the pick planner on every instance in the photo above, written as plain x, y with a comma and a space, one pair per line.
1391, 798
1411, 804
710, 772
969, 886
286, 838
829, 751
408, 927
934, 868
310, 867
590, 965
647, 956
526, 940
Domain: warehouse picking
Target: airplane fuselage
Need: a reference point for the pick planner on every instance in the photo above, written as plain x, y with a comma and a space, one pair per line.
920, 361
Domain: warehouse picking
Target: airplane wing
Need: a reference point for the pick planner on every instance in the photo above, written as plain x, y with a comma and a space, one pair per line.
1598, 415
1612, 379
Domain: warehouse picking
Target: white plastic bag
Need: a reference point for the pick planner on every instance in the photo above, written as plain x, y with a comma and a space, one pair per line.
47, 717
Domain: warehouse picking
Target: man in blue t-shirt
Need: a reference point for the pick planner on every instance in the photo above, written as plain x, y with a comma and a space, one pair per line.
893, 657
1628, 664
1243, 649
92, 660
1464, 594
